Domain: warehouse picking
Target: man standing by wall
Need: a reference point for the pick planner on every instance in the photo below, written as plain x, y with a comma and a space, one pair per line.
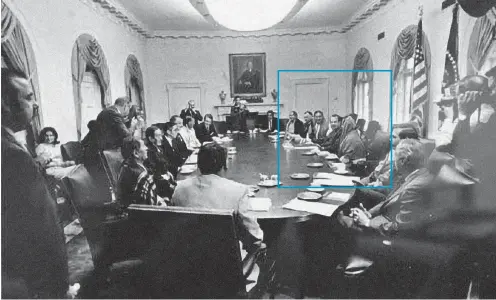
111, 122
34, 258
191, 112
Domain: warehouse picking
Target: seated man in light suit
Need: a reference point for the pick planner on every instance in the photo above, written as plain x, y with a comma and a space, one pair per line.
209, 190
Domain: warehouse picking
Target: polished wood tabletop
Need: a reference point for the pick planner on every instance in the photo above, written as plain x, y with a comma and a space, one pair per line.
257, 154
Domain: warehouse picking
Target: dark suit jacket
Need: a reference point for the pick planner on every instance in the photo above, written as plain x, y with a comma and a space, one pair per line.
112, 128
33, 244
320, 136
191, 113
157, 162
203, 134
173, 156
128, 178
309, 129
273, 127
378, 148
182, 147
404, 206
331, 142
299, 127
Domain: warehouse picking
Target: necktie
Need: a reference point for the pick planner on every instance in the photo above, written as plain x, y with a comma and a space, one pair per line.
317, 128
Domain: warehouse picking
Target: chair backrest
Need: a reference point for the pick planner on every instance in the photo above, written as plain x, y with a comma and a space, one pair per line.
195, 252
85, 196
112, 161
70, 150
220, 126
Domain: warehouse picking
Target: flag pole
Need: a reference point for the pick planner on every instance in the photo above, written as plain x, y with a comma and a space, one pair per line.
420, 12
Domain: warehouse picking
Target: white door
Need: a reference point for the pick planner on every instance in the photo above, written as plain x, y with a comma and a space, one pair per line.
311, 95
91, 100
179, 97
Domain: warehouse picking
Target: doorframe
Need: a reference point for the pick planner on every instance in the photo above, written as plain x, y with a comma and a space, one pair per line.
171, 86
310, 81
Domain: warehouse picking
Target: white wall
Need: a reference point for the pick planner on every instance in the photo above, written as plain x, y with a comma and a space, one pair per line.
207, 60
392, 20
53, 26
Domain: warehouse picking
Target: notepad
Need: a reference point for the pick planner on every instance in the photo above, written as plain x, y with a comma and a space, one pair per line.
193, 159
323, 209
260, 204
342, 197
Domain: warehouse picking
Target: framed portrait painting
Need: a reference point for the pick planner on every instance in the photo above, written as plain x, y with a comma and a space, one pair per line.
247, 75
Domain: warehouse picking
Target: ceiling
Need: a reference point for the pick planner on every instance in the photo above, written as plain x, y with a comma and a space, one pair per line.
181, 17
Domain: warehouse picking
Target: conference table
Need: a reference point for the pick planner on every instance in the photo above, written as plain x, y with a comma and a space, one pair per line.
257, 154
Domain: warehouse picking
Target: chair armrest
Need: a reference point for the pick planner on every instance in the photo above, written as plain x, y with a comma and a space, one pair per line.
252, 258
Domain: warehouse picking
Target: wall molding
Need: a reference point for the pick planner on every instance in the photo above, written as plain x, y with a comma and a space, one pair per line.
120, 15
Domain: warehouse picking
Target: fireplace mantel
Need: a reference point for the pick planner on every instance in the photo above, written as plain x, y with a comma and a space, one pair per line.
224, 110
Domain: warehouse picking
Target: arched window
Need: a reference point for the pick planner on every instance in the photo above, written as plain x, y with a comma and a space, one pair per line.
92, 99
402, 91
89, 66
134, 82
17, 54
482, 45
362, 84
402, 65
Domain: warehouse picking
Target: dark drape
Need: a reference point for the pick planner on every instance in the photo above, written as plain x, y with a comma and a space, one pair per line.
17, 53
88, 53
133, 71
482, 38
363, 61
477, 8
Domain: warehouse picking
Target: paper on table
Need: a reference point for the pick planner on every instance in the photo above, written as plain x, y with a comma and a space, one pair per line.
339, 166
305, 147
331, 176
323, 209
193, 159
337, 181
260, 204
343, 197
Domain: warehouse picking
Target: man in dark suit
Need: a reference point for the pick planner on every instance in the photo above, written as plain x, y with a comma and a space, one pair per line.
191, 112
320, 128
34, 258
171, 148
249, 82
295, 127
331, 142
111, 123
272, 122
181, 144
206, 131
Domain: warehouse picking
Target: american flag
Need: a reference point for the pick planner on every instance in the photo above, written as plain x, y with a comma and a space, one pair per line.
419, 76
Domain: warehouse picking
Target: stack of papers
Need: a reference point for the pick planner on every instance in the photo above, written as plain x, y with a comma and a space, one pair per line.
342, 197
193, 159
328, 179
323, 209
332, 176
260, 204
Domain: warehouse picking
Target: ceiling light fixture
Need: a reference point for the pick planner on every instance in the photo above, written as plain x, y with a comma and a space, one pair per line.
252, 15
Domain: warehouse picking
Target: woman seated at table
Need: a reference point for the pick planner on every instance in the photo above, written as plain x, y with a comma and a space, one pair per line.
156, 162
189, 134
295, 127
205, 131
136, 183
210, 190
351, 146
49, 148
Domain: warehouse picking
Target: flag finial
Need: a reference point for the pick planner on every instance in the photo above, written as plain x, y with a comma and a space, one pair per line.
421, 10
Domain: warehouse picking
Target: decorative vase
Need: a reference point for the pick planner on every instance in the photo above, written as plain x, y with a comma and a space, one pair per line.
274, 94
222, 97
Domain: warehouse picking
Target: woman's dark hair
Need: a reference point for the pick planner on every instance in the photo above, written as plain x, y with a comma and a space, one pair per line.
42, 136
408, 133
372, 129
212, 159
188, 119
360, 124
129, 145
209, 116
150, 133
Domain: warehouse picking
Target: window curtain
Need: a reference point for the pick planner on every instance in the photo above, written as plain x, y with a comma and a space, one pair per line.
482, 38
87, 53
363, 61
404, 49
133, 71
17, 53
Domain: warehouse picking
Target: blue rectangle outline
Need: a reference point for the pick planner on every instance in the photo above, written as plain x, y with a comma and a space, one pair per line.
391, 169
